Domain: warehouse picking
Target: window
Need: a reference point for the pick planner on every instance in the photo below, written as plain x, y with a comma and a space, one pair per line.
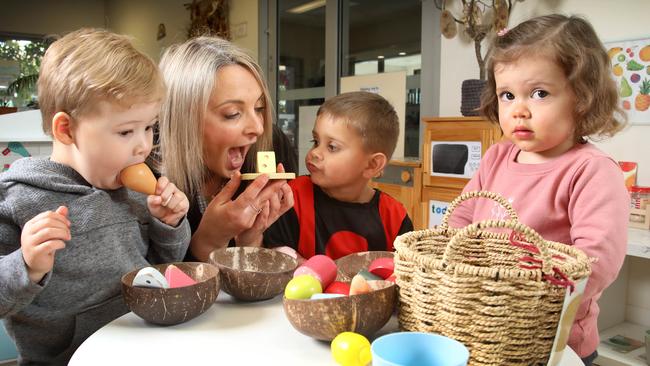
308, 45
20, 60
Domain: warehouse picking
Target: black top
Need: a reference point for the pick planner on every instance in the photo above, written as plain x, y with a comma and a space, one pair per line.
320, 224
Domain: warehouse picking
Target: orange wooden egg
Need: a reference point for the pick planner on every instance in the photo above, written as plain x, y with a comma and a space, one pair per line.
139, 178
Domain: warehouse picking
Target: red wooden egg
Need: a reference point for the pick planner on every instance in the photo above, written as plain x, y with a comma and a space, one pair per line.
382, 267
338, 287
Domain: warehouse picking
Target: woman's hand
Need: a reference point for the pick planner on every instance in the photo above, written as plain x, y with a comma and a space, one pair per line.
170, 204
244, 218
276, 206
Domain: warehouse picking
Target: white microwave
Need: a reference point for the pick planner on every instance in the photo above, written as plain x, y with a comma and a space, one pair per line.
457, 159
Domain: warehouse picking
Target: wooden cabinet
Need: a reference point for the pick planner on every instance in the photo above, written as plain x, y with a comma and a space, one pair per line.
455, 131
402, 180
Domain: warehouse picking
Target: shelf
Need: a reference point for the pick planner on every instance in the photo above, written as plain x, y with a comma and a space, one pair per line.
22, 127
608, 357
638, 243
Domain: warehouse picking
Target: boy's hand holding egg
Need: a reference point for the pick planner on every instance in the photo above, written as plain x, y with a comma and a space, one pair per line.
166, 202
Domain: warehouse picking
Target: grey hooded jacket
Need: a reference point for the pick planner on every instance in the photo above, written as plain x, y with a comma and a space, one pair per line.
112, 234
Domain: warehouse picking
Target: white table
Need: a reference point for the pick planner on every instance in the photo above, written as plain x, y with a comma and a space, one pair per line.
229, 333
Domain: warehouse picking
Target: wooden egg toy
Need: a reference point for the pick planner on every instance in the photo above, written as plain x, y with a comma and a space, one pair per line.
382, 267
320, 266
338, 287
139, 178
302, 287
364, 313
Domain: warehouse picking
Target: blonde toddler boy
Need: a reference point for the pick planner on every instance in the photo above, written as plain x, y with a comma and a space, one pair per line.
68, 229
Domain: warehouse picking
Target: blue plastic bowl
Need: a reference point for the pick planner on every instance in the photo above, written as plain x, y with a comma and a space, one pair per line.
418, 349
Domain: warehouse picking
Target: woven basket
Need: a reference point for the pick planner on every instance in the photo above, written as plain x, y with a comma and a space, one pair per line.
469, 284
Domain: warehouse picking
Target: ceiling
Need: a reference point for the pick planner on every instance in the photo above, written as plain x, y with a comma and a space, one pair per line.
361, 12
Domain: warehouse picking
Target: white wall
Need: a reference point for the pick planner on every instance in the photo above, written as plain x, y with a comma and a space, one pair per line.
50, 17
140, 20
244, 29
612, 20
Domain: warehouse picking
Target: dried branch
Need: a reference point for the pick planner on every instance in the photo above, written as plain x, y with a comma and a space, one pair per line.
473, 23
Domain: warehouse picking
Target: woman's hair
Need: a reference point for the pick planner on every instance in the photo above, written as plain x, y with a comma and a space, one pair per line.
190, 71
575, 47
89, 65
370, 115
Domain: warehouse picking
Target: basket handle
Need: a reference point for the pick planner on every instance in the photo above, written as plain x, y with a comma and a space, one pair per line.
528, 233
444, 224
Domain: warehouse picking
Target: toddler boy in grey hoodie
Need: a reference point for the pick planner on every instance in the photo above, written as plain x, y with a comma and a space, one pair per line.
68, 228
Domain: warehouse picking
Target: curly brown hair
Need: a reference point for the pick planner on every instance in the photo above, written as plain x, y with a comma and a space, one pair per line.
572, 42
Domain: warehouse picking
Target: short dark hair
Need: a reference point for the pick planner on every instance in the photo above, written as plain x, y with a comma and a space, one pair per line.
372, 116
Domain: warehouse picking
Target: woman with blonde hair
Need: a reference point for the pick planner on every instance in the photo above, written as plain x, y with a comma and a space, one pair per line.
216, 116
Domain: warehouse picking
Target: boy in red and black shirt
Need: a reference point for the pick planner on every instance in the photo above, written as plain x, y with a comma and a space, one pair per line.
336, 212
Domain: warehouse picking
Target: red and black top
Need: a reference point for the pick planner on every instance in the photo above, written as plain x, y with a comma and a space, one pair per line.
319, 224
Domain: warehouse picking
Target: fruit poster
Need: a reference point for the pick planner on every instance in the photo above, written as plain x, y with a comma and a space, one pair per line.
631, 70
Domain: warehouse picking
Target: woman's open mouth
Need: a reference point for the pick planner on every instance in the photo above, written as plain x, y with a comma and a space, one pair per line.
236, 156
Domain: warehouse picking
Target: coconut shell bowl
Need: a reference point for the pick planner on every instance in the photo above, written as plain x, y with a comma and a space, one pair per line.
324, 319
173, 305
253, 273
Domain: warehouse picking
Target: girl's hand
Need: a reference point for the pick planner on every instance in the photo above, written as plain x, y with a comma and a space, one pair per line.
169, 204
41, 237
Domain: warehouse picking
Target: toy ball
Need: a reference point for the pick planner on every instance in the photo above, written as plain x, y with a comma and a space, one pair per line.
302, 287
351, 349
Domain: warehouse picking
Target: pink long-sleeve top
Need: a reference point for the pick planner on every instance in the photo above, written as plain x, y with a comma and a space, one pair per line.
578, 199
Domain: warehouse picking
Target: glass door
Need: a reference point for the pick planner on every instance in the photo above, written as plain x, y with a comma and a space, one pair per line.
306, 46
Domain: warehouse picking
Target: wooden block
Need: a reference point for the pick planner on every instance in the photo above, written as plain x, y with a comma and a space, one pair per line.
640, 219
251, 176
266, 162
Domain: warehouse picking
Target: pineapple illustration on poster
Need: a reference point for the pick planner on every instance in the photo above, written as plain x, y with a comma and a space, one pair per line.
631, 69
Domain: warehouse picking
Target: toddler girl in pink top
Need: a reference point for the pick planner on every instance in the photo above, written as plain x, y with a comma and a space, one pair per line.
549, 87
